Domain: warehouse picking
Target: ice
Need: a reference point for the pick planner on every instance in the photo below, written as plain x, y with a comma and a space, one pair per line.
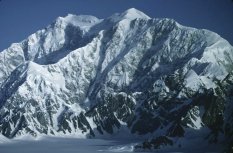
65, 145
207, 82
75, 145
192, 80
124, 148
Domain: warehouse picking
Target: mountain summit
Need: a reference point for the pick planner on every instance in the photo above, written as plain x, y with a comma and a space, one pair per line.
129, 14
127, 73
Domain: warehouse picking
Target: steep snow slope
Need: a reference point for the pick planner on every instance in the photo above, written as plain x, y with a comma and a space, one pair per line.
3, 139
87, 76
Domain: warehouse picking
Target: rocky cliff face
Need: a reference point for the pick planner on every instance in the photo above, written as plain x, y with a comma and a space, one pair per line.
87, 76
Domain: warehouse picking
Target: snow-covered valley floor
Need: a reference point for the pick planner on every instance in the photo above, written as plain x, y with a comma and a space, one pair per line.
75, 145
65, 145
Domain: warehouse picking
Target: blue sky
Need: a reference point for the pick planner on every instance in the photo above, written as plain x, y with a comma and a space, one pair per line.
20, 18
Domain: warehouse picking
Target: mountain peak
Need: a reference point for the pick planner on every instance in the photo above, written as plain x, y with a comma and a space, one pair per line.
134, 13
81, 18
130, 14
82, 21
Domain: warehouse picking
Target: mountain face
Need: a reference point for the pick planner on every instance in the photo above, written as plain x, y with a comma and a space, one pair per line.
89, 77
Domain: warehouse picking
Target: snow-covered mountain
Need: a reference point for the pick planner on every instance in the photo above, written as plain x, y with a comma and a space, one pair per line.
86, 76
